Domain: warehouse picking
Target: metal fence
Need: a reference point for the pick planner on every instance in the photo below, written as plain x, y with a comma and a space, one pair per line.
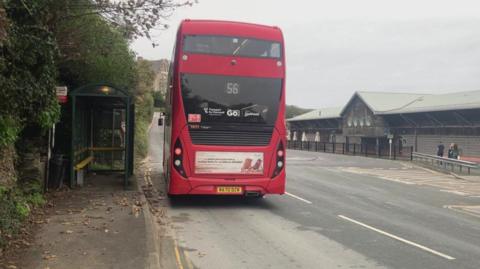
394, 152
445, 163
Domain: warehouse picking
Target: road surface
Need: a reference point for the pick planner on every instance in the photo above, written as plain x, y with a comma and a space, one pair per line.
339, 212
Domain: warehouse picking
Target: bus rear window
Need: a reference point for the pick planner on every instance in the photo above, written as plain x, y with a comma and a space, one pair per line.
214, 99
233, 46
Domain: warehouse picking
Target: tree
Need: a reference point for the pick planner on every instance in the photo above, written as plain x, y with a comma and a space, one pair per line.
27, 101
159, 99
92, 51
28, 71
134, 18
143, 106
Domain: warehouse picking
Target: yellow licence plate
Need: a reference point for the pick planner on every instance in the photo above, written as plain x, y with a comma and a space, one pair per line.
229, 189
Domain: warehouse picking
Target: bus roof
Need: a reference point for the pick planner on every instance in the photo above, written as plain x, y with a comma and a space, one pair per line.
230, 28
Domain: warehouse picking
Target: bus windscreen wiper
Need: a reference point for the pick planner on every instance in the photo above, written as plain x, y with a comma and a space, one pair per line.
239, 47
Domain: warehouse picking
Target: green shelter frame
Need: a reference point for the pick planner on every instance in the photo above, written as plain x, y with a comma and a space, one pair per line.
102, 131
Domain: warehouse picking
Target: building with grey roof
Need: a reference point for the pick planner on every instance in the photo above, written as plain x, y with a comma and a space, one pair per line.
420, 121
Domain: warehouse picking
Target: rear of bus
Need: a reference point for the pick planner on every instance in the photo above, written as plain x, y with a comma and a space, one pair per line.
225, 130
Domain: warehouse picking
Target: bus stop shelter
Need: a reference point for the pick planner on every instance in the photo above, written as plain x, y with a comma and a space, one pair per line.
102, 130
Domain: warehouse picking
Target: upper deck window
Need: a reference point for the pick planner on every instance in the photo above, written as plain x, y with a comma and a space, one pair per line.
232, 46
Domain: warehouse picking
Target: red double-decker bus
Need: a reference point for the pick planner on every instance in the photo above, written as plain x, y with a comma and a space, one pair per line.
224, 121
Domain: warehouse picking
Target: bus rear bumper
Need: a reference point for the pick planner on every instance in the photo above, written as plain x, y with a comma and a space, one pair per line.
208, 186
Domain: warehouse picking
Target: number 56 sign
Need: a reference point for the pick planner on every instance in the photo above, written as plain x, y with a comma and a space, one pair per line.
233, 88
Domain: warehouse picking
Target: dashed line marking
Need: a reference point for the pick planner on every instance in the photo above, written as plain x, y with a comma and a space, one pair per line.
299, 198
445, 256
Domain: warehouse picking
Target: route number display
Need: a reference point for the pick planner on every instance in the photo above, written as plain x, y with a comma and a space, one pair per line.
233, 88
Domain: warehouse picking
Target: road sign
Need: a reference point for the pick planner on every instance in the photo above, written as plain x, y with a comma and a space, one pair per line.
62, 93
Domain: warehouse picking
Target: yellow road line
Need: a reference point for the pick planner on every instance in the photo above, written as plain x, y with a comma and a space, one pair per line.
177, 257
187, 259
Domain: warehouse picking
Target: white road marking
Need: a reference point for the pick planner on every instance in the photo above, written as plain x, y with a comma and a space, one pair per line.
398, 238
465, 209
455, 192
299, 198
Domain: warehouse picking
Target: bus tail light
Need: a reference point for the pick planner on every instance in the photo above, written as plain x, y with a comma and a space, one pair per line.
280, 162
178, 158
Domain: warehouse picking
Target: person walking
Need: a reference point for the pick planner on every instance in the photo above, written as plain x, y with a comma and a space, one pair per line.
453, 151
440, 149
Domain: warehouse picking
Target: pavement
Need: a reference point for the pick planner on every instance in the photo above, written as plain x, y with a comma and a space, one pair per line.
339, 212
98, 226
471, 159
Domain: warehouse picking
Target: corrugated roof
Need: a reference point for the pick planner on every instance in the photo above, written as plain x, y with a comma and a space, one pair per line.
384, 103
439, 102
317, 114
380, 102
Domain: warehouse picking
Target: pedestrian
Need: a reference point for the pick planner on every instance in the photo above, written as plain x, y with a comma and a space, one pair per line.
453, 151
440, 149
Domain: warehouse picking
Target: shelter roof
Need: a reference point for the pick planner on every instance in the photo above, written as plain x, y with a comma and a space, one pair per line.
99, 89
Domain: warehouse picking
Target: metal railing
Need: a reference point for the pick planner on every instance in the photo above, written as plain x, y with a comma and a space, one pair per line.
367, 150
445, 163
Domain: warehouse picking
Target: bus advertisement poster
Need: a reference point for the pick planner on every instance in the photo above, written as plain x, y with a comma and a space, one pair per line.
215, 162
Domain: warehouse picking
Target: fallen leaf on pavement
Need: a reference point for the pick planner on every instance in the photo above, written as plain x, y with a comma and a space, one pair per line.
49, 257
136, 211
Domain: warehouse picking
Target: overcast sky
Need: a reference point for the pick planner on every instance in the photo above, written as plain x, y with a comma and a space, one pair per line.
337, 47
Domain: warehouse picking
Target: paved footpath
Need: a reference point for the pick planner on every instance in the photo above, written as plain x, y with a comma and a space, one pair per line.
97, 226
